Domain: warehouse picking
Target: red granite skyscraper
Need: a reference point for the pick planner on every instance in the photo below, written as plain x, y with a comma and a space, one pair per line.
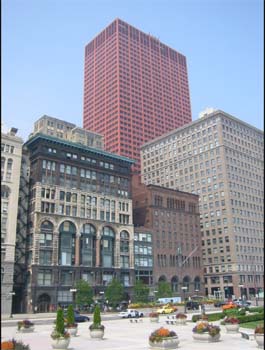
135, 88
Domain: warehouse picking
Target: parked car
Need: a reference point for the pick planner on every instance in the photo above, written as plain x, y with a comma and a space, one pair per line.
219, 303
78, 317
229, 305
192, 305
130, 313
166, 309
243, 303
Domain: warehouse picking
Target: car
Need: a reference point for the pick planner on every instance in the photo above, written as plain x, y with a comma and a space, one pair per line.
129, 313
219, 303
165, 310
229, 305
192, 305
243, 303
174, 307
78, 317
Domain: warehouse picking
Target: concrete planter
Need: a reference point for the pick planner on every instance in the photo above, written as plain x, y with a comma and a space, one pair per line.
96, 333
260, 340
167, 343
26, 329
154, 319
206, 337
61, 343
181, 321
72, 331
232, 328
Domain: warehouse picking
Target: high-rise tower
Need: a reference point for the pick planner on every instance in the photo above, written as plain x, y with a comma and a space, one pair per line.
135, 88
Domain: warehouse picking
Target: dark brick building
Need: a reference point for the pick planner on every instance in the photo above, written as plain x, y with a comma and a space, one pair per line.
173, 218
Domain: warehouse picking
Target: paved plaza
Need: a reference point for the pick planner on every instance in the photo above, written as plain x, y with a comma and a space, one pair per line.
121, 334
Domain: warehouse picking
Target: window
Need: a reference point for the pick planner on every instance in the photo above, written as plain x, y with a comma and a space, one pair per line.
45, 257
44, 278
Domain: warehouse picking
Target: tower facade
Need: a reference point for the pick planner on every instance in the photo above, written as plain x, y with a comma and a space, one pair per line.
135, 88
220, 158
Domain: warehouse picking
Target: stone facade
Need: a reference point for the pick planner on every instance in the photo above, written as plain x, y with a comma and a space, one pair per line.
220, 158
11, 150
80, 220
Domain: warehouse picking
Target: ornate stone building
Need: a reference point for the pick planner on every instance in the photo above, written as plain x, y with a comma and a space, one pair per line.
80, 220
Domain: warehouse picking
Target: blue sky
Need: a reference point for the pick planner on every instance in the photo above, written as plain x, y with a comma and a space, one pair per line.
43, 53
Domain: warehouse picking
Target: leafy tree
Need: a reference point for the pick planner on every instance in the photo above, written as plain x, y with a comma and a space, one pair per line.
164, 290
60, 322
114, 292
84, 294
141, 292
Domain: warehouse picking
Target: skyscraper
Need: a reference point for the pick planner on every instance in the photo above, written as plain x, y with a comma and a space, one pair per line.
135, 88
220, 158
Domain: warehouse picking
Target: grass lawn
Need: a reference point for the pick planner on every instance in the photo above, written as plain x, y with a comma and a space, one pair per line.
251, 325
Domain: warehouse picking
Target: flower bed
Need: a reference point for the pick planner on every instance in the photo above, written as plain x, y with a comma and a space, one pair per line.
163, 338
206, 332
25, 326
14, 345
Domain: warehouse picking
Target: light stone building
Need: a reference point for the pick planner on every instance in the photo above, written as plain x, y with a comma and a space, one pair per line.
220, 158
11, 153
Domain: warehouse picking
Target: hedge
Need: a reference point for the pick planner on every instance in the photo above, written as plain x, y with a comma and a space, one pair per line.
251, 318
211, 317
235, 312
256, 309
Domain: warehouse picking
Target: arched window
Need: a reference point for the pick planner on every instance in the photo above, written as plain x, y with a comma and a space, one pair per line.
124, 249
124, 242
67, 232
186, 283
174, 284
107, 247
197, 283
88, 245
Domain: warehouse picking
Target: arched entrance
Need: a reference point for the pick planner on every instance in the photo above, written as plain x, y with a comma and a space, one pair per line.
43, 303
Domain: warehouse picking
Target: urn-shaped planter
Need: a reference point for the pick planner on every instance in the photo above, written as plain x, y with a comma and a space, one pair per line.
72, 331
96, 333
232, 328
26, 329
167, 343
60, 343
181, 321
154, 319
260, 340
206, 337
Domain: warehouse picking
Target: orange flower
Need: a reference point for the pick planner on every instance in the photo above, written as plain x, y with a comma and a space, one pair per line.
163, 332
7, 345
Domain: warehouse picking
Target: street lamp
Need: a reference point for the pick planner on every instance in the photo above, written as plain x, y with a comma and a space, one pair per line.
184, 289
73, 290
11, 295
241, 286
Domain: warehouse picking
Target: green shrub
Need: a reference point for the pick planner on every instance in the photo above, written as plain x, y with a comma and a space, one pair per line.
211, 317
234, 312
70, 315
259, 309
60, 322
97, 317
251, 318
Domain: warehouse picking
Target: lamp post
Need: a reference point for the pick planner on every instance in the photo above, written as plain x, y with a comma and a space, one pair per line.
11, 296
241, 286
184, 289
73, 290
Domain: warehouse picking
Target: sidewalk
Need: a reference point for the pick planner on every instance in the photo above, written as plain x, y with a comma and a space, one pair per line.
121, 334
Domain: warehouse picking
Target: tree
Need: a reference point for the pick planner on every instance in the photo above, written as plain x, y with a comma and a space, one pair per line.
164, 290
141, 292
60, 322
84, 294
70, 315
114, 292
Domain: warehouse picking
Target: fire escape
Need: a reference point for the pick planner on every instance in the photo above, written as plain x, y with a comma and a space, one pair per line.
20, 271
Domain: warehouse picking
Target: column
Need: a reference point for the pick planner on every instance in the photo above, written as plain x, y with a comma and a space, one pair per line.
77, 250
